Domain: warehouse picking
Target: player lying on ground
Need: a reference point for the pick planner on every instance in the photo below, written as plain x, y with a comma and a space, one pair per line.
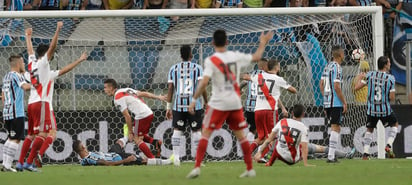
116, 156
292, 137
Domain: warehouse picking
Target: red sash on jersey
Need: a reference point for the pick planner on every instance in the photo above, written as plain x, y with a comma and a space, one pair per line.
123, 94
225, 70
265, 90
288, 138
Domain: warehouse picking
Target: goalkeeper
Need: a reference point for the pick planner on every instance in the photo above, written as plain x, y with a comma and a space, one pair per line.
116, 156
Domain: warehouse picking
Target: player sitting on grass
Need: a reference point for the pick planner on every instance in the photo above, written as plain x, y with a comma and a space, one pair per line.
116, 156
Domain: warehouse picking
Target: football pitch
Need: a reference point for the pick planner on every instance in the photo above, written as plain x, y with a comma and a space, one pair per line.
353, 172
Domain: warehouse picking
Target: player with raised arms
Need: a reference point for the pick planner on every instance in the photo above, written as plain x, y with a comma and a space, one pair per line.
13, 89
381, 90
183, 79
334, 102
128, 99
225, 103
292, 139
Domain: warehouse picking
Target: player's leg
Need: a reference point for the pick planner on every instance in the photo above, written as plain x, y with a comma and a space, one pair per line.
335, 116
213, 120
15, 130
250, 119
269, 124
29, 138
50, 137
195, 122
260, 120
367, 139
141, 127
178, 123
275, 155
237, 123
393, 123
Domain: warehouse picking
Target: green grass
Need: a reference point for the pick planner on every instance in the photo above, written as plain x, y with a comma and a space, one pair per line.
354, 172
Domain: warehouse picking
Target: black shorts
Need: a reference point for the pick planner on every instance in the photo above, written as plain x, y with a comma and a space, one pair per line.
250, 119
181, 119
386, 121
138, 161
334, 115
15, 128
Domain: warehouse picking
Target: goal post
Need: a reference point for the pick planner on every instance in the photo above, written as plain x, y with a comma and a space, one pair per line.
137, 48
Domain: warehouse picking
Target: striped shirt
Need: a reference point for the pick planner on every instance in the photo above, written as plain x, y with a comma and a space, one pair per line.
251, 93
229, 3
74, 5
13, 96
380, 84
331, 74
185, 77
50, 3
364, 2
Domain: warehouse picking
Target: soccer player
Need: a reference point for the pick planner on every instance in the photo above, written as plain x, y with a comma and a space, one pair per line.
381, 90
250, 101
334, 102
128, 99
269, 84
40, 120
35, 97
183, 79
13, 89
225, 103
116, 156
291, 134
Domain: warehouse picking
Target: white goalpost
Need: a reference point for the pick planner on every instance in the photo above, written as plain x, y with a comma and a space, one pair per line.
137, 48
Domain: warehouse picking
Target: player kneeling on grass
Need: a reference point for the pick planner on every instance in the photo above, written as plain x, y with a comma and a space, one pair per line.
292, 137
116, 156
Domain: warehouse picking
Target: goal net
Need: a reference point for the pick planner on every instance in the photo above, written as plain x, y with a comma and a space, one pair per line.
137, 48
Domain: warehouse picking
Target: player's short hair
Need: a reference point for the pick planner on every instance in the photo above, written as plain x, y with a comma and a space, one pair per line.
77, 146
112, 82
42, 49
336, 49
219, 38
298, 110
382, 61
185, 52
272, 63
14, 58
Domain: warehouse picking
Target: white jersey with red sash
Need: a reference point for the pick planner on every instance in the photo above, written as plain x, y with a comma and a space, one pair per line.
290, 134
126, 98
224, 68
269, 90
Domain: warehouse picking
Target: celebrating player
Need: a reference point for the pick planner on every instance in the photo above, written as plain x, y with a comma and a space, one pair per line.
13, 89
269, 85
127, 99
291, 133
225, 103
116, 156
334, 102
381, 90
183, 79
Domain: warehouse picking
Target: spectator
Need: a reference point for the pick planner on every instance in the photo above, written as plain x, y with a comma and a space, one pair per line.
228, 4
389, 16
14, 5
181, 4
155, 4
93, 4
252, 4
204, 4
117, 4
74, 4
137, 4
27, 5
46, 4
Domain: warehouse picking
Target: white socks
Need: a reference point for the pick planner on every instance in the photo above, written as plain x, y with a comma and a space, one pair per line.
156, 161
9, 151
333, 143
367, 140
392, 135
195, 141
176, 138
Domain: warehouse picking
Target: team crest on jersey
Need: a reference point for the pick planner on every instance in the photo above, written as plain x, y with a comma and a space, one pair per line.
180, 123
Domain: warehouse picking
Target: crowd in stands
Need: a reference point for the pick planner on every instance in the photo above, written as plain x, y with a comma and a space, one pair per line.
18, 5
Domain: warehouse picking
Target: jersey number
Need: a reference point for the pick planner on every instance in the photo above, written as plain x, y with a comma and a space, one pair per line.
34, 76
290, 132
378, 94
271, 82
185, 86
253, 89
229, 70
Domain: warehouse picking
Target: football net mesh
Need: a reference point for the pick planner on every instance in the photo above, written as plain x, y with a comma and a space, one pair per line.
138, 52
